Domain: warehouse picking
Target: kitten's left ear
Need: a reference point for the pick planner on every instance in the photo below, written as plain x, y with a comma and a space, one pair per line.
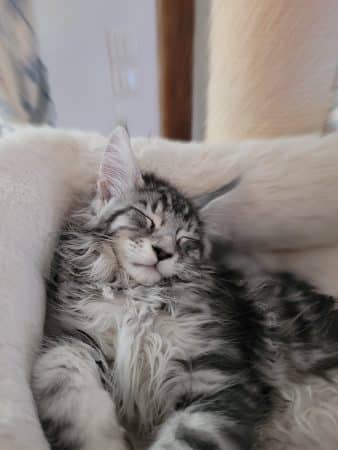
119, 172
204, 200
212, 208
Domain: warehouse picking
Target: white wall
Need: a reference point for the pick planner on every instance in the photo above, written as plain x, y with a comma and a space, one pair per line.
73, 38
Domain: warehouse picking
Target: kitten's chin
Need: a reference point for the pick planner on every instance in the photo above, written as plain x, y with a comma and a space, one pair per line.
146, 275
167, 267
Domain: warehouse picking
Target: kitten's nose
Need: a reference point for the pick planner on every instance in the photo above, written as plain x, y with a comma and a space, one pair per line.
161, 253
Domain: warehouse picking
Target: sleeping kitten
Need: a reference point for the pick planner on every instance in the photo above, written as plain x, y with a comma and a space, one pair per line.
150, 342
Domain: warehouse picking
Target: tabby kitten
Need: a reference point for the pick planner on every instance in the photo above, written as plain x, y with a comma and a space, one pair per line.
151, 343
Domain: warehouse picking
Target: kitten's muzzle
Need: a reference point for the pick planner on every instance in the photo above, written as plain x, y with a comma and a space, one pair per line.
161, 253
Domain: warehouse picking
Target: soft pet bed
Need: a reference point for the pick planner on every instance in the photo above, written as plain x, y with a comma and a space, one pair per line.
284, 209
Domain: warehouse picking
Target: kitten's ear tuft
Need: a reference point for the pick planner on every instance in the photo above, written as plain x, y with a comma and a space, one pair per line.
119, 172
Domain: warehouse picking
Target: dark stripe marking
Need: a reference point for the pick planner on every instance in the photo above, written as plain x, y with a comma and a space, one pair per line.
195, 439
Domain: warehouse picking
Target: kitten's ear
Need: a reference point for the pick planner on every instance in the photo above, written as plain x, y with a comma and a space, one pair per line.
212, 208
204, 200
119, 172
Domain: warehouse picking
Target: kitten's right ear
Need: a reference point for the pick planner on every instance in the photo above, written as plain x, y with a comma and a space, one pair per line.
119, 172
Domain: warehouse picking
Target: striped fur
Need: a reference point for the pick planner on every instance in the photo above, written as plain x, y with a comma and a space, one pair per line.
151, 344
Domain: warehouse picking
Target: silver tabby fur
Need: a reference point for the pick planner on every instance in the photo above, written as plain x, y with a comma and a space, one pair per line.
150, 344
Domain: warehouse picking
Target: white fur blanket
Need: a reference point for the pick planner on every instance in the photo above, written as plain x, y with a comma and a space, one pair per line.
285, 207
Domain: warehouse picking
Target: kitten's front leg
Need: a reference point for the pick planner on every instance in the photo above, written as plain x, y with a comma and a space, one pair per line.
198, 430
75, 409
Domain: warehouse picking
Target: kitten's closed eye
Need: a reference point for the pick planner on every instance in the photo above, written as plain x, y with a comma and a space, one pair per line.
190, 246
142, 220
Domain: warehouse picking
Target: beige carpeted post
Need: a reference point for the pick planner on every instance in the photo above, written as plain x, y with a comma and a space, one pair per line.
272, 67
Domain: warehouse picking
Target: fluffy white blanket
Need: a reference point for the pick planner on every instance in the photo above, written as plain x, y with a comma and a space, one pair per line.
285, 207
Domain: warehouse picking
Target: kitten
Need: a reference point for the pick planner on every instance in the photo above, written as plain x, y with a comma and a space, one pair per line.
151, 342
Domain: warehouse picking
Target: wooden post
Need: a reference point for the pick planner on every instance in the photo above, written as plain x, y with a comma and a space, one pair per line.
175, 40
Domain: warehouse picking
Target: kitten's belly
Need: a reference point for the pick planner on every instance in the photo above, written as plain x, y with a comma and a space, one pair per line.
148, 347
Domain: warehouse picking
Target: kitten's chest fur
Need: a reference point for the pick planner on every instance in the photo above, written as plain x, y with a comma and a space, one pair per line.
148, 336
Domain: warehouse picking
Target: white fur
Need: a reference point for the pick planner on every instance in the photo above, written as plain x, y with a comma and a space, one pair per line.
287, 199
310, 421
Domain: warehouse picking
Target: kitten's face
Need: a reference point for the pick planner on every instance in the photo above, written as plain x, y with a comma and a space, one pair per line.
155, 232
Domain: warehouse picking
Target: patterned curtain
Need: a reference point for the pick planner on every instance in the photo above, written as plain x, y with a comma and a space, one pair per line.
24, 90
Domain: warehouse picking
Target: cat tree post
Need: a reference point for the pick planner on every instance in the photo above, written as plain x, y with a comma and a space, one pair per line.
272, 67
